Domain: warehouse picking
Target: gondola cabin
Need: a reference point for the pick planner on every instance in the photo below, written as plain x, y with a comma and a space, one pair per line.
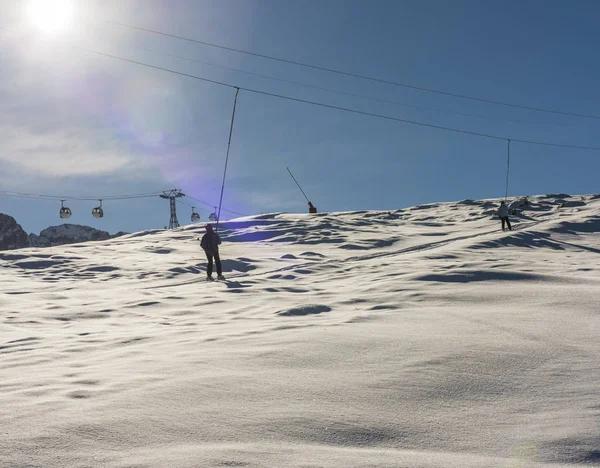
98, 212
65, 212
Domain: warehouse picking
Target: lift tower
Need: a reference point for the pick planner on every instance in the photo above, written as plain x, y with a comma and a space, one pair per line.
172, 196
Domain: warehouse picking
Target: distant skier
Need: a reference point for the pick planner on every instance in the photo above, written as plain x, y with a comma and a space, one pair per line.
503, 214
210, 243
311, 208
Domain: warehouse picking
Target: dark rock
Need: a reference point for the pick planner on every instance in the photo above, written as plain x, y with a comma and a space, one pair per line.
67, 234
12, 235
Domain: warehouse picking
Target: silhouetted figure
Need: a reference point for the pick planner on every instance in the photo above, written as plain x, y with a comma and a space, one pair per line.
311, 208
503, 214
210, 243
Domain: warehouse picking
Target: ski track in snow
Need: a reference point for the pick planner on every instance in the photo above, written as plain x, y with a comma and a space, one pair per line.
422, 337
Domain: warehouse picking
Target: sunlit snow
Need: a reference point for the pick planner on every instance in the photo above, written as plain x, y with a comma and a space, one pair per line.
423, 337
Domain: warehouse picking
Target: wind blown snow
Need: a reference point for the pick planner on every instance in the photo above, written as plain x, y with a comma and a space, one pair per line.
423, 337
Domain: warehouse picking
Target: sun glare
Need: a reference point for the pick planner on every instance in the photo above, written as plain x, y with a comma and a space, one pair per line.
51, 16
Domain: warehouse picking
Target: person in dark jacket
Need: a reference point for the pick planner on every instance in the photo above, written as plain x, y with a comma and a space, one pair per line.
210, 243
503, 215
311, 208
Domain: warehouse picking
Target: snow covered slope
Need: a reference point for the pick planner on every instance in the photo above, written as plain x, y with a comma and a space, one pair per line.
423, 337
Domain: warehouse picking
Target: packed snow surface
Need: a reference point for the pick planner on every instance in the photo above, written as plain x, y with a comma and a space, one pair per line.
423, 337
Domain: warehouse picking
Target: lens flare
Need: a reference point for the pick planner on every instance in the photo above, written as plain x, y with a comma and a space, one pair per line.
51, 16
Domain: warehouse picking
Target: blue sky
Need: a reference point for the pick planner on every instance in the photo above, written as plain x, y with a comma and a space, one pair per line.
74, 123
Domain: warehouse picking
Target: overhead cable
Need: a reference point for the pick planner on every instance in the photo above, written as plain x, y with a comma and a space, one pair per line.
336, 91
38, 196
67, 197
344, 109
354, 75
213, 205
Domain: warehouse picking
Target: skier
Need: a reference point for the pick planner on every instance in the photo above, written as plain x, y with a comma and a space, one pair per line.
311, 208
210, 243
503, 214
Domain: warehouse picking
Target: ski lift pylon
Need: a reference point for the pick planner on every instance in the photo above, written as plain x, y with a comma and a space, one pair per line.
65, 212
98, 212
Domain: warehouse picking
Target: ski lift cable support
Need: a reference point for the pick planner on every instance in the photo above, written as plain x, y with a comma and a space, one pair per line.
237, 91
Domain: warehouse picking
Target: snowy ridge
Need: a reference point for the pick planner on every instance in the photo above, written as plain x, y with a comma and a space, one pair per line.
423, 337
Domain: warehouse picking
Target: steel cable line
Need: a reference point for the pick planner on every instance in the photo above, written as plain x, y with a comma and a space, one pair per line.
440, 127
76, 198
5, 193
336, 91
208, 204
184, 203
344, 109
212, 205
354, 75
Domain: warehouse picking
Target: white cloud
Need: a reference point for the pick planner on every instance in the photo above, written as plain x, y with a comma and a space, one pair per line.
70, 114
63, 153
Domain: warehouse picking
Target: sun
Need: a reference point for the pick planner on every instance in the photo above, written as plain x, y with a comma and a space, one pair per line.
51, 16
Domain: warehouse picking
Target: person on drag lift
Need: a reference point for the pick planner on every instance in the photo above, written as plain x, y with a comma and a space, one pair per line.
210, 244
503, 215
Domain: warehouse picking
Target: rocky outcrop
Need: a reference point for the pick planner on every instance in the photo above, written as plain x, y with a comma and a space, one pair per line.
12, 235
67, 234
